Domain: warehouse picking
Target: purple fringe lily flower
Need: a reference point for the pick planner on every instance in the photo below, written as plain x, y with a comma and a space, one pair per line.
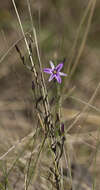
55, 72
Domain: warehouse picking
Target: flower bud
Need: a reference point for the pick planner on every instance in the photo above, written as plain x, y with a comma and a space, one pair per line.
62, 128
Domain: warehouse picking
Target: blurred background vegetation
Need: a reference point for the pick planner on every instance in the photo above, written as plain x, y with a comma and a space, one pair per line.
56, 23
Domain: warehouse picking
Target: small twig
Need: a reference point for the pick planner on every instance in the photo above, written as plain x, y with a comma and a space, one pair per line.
16, 144
84, 109
10, 48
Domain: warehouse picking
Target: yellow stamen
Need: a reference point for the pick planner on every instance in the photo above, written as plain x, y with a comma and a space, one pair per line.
54, 72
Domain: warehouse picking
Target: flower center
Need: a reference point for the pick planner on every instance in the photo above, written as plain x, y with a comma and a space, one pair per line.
54, 71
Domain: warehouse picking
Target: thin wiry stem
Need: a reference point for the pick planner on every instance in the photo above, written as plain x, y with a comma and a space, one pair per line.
40, 64
35, 164
45, 99
68, 162
23, 33
77, 35
44, 90
84, 39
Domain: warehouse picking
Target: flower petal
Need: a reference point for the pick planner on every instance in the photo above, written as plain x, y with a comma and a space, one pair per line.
51, 77
47, 70
62, 74
58, 78
59, 67
52, 65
